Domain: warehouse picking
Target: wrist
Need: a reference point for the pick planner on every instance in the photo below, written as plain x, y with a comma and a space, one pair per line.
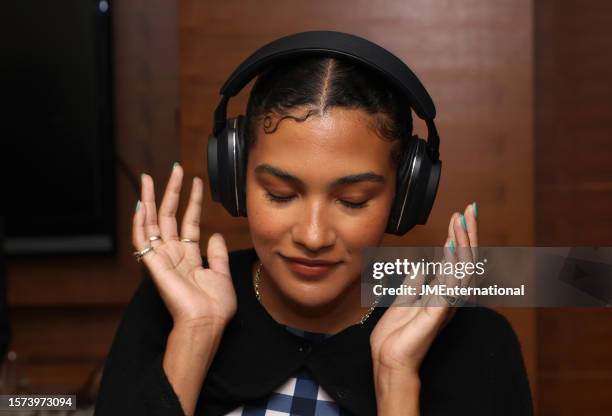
206, 324
397, 392
196, 339
190, 349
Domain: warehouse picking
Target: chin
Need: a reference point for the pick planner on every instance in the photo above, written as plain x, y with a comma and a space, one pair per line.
310, 298
312, 294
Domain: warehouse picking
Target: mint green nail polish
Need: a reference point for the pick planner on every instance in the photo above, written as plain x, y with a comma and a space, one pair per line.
137, 206
463, 224
451, 245
475, 207
175, 165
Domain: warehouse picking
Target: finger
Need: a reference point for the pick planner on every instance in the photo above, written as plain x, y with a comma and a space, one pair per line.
462, 241
190, 227
414, 282
139, 240
472, 226
450, 253
430, 298
451, 227
218, 259
441, 278
450, 256
147, 196
464, 255
169, 205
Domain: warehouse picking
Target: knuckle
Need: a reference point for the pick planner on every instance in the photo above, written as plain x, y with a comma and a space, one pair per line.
152, 227
192, 222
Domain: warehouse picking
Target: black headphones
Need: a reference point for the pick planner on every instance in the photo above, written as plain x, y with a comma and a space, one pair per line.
418, 174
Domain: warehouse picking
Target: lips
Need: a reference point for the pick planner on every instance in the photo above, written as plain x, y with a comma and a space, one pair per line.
309, 262
310, 268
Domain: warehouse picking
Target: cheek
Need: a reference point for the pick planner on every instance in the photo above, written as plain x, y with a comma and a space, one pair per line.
368, 229
266, 223
363, 230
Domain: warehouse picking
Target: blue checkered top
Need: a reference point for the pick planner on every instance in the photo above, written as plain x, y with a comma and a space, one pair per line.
300, 395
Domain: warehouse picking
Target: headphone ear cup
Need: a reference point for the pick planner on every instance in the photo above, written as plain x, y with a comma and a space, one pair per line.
241, 165
213, 166
417, 185
226, 167
402, 191
432, 180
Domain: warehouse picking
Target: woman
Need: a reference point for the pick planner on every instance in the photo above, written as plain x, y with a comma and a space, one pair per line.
281, 326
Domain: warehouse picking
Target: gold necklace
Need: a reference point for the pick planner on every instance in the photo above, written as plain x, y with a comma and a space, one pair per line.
258, 295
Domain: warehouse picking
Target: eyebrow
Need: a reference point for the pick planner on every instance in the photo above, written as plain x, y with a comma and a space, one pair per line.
344, 180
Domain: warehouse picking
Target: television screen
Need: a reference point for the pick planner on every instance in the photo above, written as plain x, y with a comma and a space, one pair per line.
57, 127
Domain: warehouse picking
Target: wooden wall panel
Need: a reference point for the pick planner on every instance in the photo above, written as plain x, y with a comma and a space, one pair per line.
474, 57
574, 193
64, 333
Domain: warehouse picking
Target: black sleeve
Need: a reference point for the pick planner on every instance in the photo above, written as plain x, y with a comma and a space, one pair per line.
475, 367
509, 392
134, 382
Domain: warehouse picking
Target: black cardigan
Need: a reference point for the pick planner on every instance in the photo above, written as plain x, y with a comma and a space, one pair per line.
474, 366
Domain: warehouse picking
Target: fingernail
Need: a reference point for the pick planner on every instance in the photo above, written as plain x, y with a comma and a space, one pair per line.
451, 246
137, 206
463, 224
141, 176
475, 209
175, 165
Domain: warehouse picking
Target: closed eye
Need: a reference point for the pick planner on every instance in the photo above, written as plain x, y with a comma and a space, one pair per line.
284, 199
354, 205
277, 198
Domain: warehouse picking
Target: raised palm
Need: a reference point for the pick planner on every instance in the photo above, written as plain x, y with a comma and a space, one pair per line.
193, 295
403, 335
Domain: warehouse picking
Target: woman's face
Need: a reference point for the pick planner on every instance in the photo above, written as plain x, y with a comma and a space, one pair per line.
336, 182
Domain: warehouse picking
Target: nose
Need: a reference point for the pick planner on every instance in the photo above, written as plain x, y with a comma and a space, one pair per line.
313, 230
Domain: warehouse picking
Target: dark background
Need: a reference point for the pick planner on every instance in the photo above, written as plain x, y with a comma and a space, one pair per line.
58, 147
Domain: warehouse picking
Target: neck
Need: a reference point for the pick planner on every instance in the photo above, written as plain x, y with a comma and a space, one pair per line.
330, 318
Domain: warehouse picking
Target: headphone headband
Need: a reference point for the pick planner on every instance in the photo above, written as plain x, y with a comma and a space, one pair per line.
339, 44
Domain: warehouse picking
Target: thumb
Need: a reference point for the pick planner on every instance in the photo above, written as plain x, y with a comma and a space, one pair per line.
218, 260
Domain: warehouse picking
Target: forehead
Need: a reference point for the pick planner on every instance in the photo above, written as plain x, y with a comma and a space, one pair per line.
341, 139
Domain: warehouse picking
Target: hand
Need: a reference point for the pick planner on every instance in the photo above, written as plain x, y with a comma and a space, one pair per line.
403, 335
193, 295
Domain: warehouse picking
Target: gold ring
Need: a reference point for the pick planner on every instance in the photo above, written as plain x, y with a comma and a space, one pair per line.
186, 240
155, 237
140, 254
454, 300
